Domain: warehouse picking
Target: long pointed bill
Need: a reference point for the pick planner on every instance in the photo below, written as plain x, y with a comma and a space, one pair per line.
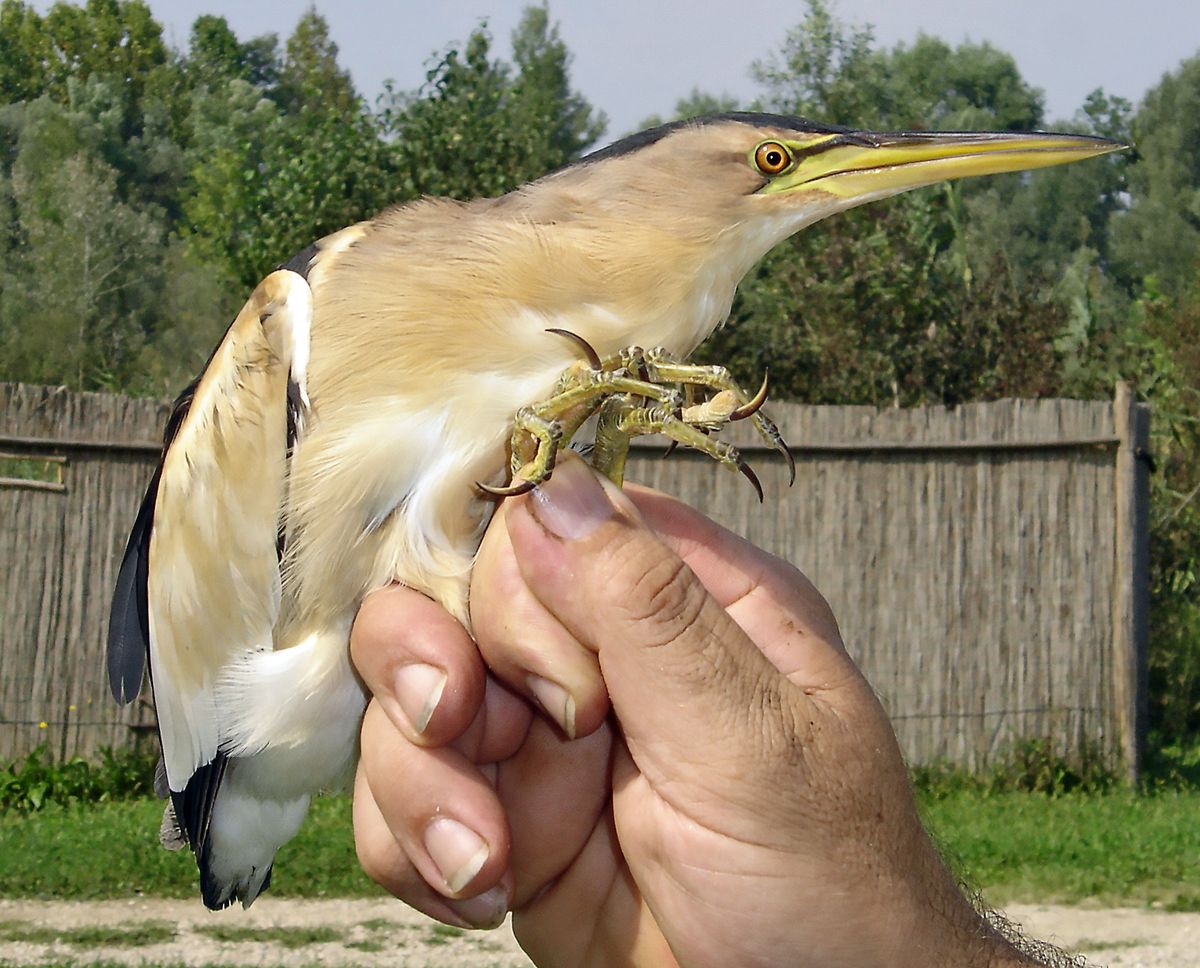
864, 166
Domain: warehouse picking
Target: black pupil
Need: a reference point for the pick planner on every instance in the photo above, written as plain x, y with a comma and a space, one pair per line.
774, 158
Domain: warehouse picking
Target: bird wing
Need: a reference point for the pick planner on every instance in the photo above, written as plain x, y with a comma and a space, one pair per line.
200, 581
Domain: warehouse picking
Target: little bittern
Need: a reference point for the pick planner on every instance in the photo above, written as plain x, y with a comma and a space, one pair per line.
335, 440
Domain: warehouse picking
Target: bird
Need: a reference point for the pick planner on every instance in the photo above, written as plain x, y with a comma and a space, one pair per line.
355, 425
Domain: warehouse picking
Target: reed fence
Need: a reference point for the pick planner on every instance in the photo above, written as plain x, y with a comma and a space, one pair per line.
988, 563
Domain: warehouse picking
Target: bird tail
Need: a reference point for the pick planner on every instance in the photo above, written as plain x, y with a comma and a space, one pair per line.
246, 830
289, 727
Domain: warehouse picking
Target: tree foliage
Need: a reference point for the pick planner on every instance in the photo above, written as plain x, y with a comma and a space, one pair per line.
479, 128
1160, 234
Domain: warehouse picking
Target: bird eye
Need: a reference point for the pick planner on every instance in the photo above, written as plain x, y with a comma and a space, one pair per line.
772, 158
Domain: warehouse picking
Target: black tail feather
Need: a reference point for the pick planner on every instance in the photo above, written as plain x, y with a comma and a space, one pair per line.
193, 811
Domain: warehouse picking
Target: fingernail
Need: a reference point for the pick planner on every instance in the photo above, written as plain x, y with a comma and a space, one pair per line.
488, 910
418, 691
559, 703
458, 852
572, 504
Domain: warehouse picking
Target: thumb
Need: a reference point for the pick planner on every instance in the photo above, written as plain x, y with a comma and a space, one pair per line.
684, 679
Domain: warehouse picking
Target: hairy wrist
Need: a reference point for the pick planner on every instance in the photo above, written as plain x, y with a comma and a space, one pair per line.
951, 928
983, 938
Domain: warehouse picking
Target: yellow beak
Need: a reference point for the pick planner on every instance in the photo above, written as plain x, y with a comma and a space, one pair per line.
862, 165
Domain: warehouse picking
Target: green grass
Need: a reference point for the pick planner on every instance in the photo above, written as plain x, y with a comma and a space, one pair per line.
443, 934
111, 850
38, 780
90, 963
128, 936
32, 469
1114, 846
370, 945
381, 934
289, 937
1087, 944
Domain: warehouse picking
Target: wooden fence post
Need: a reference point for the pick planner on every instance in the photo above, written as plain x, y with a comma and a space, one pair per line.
1131, 577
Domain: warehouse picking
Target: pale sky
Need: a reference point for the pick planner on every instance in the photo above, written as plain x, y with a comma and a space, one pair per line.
634, 58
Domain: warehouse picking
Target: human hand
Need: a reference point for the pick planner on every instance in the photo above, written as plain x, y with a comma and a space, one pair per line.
758, 810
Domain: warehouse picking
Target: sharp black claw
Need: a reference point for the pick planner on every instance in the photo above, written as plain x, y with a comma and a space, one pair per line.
593, 357
749, 474
671, 445
752, 405
512, 490
791, 461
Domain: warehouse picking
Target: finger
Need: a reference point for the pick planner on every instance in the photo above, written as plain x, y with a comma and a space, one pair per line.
554, 792
419, 663
772, 601
595, 907
527, 647
439, 809
728, 565
680, 672
385, 862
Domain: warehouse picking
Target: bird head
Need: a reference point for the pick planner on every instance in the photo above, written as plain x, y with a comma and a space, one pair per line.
669, 220
767, 176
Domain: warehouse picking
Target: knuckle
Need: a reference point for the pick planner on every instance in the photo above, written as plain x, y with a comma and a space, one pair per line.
665, 599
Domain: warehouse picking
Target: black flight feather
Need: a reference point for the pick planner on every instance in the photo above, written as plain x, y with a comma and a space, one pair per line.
129, 633
295, 414
129, 618
193, 811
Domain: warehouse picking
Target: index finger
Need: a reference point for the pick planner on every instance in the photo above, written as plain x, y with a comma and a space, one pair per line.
419, 663
771, 600
729, 566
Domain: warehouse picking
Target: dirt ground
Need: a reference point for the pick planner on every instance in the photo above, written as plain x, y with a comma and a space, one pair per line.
368, 933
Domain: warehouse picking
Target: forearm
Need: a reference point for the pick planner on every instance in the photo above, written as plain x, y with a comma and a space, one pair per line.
952, 928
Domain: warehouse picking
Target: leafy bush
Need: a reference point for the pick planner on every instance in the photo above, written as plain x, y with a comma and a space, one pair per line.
32, 783
1032, 766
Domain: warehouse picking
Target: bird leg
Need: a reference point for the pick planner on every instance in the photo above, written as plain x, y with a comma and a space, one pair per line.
622, 418
728, 404
540, 430
635, 392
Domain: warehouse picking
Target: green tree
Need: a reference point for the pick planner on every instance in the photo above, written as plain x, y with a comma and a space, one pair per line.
111, 38
215, 55
1175, 526
264, 184
1040, 222
475, 129
84, 275
26, 52
558, 121
831, 71
1160, 234
310, 78
828, 71
1154, 255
